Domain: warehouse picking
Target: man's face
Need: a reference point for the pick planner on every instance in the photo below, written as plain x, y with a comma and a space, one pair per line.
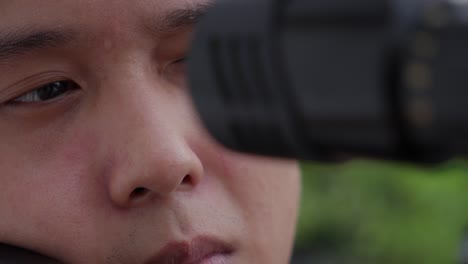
102, 157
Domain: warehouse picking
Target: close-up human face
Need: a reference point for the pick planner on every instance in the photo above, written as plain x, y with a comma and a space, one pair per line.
102, 156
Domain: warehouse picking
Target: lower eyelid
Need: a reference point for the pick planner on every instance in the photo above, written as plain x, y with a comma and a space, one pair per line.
38, 116
65, 96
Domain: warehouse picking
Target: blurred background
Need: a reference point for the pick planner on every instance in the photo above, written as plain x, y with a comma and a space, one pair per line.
376, 212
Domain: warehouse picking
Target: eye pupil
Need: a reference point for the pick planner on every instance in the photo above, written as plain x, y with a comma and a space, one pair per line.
51, 90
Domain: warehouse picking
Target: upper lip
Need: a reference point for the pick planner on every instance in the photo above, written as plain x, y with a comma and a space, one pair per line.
191, 252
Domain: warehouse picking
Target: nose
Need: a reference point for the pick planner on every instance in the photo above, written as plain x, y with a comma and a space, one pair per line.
149, 157
152, 174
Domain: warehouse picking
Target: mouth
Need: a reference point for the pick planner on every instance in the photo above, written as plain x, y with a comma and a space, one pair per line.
201, 250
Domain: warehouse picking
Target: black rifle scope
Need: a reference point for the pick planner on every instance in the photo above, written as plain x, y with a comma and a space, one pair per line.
316, 79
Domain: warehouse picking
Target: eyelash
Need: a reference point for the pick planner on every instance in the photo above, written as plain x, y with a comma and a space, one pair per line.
45, 93
181, 60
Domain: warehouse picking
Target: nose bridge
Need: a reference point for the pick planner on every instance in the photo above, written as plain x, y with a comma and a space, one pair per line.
147, 152
129, 113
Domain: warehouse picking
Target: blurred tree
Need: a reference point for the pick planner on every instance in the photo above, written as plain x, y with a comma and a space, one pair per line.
374, 212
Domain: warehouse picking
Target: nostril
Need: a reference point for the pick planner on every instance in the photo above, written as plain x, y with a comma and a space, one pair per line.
187, 180
138, 192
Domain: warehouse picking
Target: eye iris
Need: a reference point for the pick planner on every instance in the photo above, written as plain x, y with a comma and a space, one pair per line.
52, 90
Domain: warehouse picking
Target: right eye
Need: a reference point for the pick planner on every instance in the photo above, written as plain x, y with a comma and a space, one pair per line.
46, 92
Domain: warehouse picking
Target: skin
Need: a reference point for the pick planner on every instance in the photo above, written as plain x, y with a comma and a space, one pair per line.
114, 170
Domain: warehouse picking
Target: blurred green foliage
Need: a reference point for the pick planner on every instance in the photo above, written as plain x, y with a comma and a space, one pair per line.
374, 212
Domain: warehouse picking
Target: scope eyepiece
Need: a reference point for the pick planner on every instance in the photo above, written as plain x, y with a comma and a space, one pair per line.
311, 79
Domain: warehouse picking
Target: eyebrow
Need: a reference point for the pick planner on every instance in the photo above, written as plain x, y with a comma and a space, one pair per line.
24, 41
175, 19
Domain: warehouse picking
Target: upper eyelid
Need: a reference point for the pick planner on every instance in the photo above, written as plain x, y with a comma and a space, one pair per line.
29, 84
25, 85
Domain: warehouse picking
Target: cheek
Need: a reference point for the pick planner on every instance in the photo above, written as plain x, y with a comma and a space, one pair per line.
44, 190
271, 181
268, 192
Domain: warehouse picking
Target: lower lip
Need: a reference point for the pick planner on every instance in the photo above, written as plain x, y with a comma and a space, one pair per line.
215, 259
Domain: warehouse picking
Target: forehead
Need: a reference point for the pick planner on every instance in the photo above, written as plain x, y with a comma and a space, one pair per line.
112, 14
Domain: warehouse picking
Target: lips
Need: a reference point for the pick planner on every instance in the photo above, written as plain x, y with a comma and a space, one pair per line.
201, 250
